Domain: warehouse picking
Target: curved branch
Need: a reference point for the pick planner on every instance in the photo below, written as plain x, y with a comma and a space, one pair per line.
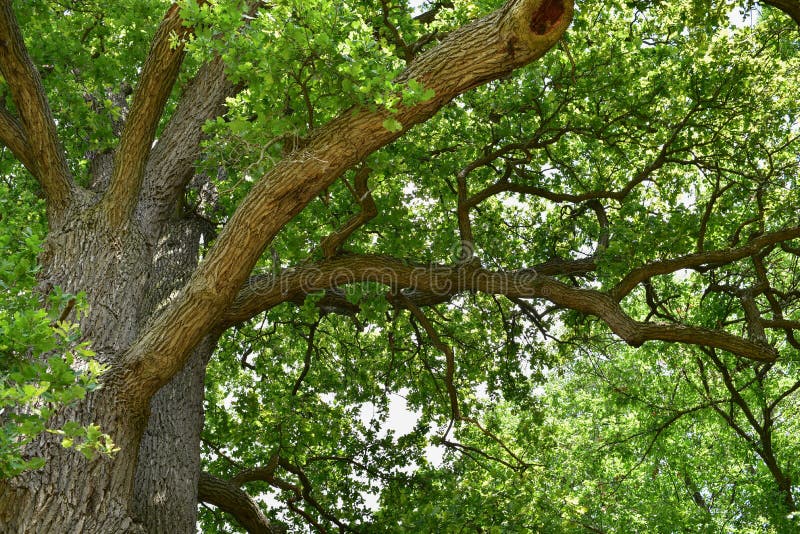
47, 160
264, 292
444, 348
301, 492
471, 56
368, 212
443, 282
700, 259
790, 7
149, 99
231, 499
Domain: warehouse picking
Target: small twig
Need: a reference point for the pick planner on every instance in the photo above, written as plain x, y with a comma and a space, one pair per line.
64, 314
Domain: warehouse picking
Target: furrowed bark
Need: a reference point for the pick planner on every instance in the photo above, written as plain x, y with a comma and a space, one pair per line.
13, 136
155, 84
518, 33
168, 467
443, 281
232, 499
172, 162
36, 118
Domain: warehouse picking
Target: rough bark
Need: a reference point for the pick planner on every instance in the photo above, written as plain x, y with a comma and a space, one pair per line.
155, 84
168, 471
46, 158
475, 54
72, 494
165, 491
109, 245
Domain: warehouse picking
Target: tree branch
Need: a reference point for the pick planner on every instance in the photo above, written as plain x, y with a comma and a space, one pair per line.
790, 7
444, 348
155, 85
172, 162
363, 195
301, 492
47, 160
717, 257
13, 136
473, 55
233, 500
445, 281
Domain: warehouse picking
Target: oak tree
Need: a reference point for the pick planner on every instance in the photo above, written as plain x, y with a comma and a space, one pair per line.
284, 213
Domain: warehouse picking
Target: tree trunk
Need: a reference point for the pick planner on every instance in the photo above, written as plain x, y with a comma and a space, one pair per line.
72, 494
168, 471
154, 315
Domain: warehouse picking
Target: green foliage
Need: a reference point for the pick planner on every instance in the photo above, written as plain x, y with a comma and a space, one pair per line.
45, 363
668, 102
680, 119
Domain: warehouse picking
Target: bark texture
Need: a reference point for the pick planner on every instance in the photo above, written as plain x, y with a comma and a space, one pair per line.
154, 314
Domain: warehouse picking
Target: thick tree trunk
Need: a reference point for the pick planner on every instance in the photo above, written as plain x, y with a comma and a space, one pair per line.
168, 471
72, 494
120, 249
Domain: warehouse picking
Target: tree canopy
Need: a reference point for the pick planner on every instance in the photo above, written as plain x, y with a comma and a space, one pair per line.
571, 255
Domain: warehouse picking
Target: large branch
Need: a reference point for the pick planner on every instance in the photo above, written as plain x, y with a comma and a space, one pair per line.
424, 284
516, 34
790, 7
46, 158
159, 73
13, 136
444, 281
232, 499
693, 261
172, 162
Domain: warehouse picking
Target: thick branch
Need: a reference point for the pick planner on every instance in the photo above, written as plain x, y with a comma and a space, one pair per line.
790, 7
231, 499
442, 281
13, 136
155, 85
172, 162
692, 261
47, 160
473, 55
